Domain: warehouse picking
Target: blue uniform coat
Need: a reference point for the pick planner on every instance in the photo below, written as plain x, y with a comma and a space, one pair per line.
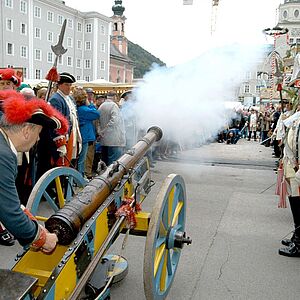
11, 214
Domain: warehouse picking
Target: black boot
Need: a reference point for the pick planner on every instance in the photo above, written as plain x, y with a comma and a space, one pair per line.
288, 242
293, 249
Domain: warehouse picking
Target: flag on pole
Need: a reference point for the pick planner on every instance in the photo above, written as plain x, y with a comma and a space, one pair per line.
187, 2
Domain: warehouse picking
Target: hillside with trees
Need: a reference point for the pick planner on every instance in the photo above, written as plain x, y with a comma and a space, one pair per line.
142, 59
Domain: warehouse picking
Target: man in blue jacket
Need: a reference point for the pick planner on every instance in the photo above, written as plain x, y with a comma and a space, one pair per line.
59, 150
20, 127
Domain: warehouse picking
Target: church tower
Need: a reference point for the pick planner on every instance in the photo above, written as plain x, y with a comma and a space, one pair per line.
121, 66
118, 26
288, 17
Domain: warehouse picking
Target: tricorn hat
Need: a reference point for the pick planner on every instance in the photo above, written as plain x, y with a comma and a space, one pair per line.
9, 74
18, 110
66, 78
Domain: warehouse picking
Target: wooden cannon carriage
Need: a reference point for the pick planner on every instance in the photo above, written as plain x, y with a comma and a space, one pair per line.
88, 222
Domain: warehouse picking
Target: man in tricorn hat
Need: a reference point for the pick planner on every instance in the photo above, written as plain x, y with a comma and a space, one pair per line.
8, 81
20, 127
59, 150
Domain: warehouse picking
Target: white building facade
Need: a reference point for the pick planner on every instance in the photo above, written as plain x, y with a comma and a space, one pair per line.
29, 28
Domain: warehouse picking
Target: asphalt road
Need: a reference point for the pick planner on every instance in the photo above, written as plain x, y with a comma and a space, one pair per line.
236, 227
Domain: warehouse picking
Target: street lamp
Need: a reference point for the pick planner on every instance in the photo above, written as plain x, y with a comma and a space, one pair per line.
275, 33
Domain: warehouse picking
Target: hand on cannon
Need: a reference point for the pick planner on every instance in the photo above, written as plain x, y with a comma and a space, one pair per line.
44, 241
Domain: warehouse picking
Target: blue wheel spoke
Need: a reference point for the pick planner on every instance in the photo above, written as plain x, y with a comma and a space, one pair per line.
175, 201
160, 241
50, 201
69, 190
169, 263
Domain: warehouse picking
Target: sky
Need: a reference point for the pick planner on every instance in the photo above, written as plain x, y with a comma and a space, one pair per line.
177, 33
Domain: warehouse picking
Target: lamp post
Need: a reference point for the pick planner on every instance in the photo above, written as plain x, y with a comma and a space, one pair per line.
275, 33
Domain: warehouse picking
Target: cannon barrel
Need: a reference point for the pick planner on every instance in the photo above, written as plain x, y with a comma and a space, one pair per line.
69, 220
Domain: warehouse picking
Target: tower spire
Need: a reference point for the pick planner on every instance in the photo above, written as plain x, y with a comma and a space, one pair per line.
118, 9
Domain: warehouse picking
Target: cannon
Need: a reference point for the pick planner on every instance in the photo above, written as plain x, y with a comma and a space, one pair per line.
89, 220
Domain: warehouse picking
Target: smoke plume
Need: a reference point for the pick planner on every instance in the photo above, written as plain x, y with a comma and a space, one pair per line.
188, 101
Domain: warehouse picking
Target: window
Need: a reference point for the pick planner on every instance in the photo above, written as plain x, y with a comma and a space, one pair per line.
87, 78
9, 3
78, 44
37, 12
60, 20
50, 36
78, 77
88, 45
296, 13
87, 64
49, 57
247, 88
23, 29
79, 27
298, 40
37, 33
10, 49
37, 54
69, 61
257, 89
70, 42
23, 51
102, 29
23, 7
70, 23
88, 27
38, 74
285, 14
9, 24
291, 40
102, 49
78, 63
60, 60
50, 16
102, 65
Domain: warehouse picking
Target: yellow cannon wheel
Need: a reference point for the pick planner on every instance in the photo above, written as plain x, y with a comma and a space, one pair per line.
57, 186
165, 238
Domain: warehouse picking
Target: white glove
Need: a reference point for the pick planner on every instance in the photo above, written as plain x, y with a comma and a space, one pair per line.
297, 176
62, 150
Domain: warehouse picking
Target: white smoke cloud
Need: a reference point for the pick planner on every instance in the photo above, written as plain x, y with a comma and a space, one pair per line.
188, 101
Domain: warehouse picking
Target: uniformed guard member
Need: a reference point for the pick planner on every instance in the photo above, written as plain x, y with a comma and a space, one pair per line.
20, 127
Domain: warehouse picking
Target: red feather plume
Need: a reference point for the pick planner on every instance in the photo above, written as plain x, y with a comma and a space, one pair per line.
8, 74
18, 110
52, 75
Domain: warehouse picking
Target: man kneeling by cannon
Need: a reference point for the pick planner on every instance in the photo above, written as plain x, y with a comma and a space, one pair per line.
20, 127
